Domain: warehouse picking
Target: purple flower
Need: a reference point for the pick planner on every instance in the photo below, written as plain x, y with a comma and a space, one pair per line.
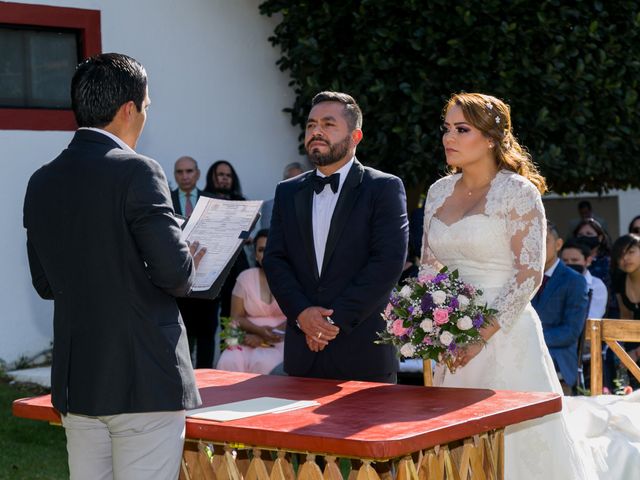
394, 300
440, 278
478, 320
454, 303
427, 303
452, 347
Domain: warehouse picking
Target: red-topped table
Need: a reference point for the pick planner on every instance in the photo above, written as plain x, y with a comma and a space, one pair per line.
360, 420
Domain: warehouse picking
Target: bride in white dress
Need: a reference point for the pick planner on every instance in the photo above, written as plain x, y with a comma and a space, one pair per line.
487, 220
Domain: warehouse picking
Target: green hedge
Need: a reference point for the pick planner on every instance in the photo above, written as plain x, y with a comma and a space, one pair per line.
570, 73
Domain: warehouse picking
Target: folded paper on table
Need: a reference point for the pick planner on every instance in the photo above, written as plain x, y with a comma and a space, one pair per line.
249, 408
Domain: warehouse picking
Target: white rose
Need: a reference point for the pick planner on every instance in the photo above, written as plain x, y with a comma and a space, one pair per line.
463, 301
426, 325
232, 341
439, 297
407, 350
465, 323
446, 338
405, 292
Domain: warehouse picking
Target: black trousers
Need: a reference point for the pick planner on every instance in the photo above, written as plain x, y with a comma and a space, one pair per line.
200, 317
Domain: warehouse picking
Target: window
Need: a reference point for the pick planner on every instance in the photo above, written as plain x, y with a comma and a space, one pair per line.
39, 49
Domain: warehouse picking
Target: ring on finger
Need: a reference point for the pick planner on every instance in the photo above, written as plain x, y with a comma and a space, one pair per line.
319, 334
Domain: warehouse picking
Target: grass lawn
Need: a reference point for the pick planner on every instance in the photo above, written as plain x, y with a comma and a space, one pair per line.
29, 449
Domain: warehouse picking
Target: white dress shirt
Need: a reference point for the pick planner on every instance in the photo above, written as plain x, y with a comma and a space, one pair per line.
113, 137
324, 203
599, 295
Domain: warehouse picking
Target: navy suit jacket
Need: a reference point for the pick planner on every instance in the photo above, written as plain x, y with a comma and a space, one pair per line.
104, 245
365, 252
562, 307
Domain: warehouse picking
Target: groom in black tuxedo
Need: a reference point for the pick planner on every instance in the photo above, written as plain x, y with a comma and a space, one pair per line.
336, 248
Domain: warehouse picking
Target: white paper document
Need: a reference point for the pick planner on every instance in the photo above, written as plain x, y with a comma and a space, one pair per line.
218, 225
249, 408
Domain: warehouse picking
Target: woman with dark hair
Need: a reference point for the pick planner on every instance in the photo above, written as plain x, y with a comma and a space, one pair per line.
223, 181
634, 225
625, 255
592, 234
487, 221
255, 311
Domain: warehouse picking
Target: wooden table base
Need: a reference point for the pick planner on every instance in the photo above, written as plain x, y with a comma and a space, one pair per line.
480, 457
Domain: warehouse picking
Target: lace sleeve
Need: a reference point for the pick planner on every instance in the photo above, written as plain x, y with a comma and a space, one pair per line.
435, 198
526, 226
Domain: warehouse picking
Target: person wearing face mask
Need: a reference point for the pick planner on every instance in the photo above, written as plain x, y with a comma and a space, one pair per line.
256, 312
591, 233
576, 255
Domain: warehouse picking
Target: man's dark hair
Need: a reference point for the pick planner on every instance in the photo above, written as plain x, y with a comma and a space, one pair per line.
584, 204
578, 245
102, 84
551, 227
352, 111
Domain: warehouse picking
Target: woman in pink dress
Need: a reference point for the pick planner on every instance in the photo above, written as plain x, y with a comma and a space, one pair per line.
255, 310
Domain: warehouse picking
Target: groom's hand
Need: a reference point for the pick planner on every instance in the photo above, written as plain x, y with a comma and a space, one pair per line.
313, 322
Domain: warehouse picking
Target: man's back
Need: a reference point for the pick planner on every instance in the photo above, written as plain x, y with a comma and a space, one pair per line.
104, 245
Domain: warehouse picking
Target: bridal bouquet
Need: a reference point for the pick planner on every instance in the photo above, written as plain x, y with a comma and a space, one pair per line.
433, 316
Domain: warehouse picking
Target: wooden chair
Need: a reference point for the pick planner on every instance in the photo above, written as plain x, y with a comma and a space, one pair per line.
611, 331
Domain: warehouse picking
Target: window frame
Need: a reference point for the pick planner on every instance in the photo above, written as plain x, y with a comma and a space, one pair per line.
85, 22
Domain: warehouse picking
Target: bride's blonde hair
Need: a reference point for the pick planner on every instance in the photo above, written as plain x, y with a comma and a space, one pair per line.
492, 117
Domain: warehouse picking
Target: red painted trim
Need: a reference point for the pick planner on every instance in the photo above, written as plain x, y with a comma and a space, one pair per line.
87, 22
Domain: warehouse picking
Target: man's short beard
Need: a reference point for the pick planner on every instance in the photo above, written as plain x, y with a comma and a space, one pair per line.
336, 152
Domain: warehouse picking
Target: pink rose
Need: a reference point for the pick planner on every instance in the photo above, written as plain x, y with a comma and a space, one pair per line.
425, 278
440, 316
398, 329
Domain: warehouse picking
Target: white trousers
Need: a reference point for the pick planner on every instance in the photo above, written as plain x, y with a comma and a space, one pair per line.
131, 446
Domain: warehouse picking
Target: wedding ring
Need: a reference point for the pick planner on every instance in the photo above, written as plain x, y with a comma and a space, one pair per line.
319, 334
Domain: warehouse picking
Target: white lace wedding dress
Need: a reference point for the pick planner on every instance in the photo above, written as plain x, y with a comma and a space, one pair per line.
500, 250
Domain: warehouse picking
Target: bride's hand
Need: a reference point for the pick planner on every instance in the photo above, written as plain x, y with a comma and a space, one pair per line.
467, 354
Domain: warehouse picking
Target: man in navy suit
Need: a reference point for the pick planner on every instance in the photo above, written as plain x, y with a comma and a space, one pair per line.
562, 303
336, 248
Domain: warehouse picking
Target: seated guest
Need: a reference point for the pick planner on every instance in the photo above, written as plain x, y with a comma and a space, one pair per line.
634, 225
577, 255
591, 233
255, 310
561, 303
626, 286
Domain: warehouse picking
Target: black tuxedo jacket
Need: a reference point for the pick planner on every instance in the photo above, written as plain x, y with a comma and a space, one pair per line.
104, 245
365, 252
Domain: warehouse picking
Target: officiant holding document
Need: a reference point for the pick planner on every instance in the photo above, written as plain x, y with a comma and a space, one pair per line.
336, 248
104, 245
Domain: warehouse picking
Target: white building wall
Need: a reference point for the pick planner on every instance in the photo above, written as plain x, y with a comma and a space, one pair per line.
216, 93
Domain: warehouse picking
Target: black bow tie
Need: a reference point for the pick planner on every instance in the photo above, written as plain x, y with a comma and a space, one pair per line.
320, 182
